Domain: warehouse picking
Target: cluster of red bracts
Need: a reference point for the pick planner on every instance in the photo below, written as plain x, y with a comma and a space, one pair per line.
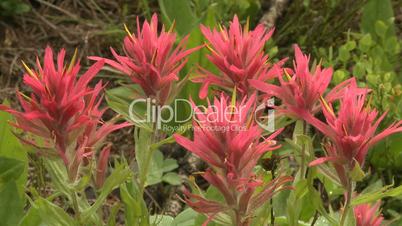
229, 140
239, 57
367, 215
63, 111
151, 60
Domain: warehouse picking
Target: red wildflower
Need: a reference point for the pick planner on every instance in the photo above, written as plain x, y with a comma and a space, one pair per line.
238, 54
301, 90
367, 215
351, 132
227, 138
62, 109
102, 166
150, 60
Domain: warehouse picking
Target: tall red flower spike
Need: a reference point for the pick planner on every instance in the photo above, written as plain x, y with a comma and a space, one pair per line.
367, 215
151, 60
63, 110
227, 138
351, 132
239, 56
300, 90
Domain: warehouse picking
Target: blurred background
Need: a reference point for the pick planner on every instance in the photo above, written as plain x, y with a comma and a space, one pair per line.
360, 38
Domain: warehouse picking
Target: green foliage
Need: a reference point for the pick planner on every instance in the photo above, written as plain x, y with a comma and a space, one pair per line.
374, 59
160, 170
136, 212
13, 173
13, 7
44, 212
11, 204
313, 25
377, 10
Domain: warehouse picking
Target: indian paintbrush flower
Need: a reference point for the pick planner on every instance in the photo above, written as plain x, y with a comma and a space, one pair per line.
151, 60
63, 110
239, 56
367, 215
300, 89
227, 138
351, 132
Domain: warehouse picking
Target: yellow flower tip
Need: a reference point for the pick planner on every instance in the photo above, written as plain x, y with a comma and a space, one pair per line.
368, 105
250, 121
28, 70
172, 27
326, 105
287, 75
221, 28
128, 31
154, 57
73, 60
247, 25
210, 48
223, 33
24, 96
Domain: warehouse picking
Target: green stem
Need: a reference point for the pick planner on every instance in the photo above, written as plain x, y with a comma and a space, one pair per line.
76, 207
148, 157
347, 203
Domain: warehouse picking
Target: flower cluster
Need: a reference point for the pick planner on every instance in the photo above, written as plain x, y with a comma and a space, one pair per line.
238, 54
300, 89
366, 215
63, 110
232, 156
351, 132
151, 60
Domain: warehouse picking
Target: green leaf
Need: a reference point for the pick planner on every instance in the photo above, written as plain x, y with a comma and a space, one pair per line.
172, 178
161, 220
381, 28
392, 45
10, 169
135, 209
339, 76
121, 100
344, 54
44, 212
365, 43
377, 195
179, 11
357, 174
169, 165
155, 171
119, 175
11, 148
358, 70
350, 45
31, 218
11, 205
113, 213
58, 174
185, 218
376, 10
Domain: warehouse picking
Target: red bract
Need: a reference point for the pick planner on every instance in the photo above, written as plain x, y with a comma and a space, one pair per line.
63, 110
227, 138
300, 90
367, 215
351, 132
150, 60
238, 54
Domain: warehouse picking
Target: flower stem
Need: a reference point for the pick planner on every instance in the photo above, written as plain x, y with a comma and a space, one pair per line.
347, 203
76, 207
